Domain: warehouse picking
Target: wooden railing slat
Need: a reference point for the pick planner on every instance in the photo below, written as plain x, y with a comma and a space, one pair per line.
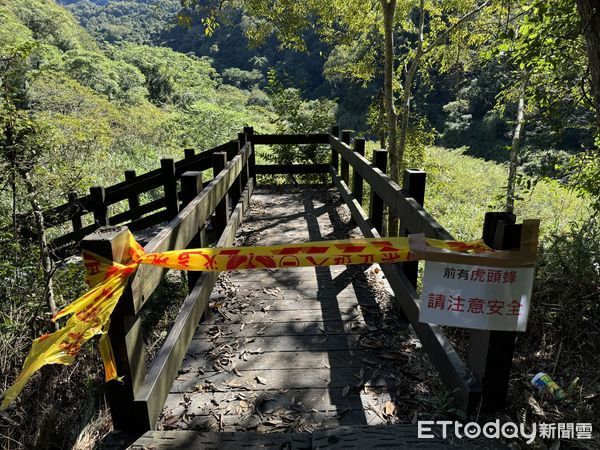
294, 169
404, 207
290, 139
136, 213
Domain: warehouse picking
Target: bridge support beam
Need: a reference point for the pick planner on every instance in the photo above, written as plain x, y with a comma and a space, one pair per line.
377, 204
414, 186
345, 167
357, 180
222, 212
167, 167
335, 159
249, 132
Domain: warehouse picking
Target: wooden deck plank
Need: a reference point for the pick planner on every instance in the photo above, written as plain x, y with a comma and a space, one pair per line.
275, 329
297, 272
268, 402
297, 360
296, 294
281, 344
280, 378
160, 440
287, 315
274, 304
363, 437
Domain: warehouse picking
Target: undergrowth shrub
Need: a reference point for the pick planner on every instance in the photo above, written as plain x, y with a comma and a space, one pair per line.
562, 338
567, 289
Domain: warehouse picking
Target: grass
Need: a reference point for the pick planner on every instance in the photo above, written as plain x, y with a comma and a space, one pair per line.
460, 189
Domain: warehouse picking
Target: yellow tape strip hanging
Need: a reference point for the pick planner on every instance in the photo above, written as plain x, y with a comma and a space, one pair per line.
90, 314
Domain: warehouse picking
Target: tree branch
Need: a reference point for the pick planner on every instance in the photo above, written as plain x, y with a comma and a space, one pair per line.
442, 37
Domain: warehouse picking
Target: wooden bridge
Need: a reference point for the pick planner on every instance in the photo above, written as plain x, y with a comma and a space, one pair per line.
294, 358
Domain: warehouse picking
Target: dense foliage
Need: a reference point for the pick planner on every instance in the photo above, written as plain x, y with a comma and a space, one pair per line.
465, 96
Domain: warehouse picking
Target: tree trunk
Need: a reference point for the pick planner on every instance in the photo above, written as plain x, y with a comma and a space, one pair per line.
45, 259
396, 161
381, 102
589, 11
409, 76
516, 144
389, 11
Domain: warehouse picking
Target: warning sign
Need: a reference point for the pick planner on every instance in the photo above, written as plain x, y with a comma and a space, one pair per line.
485, 298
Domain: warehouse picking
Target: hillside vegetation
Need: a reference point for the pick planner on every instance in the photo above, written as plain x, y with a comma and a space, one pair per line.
122, 106
76, 113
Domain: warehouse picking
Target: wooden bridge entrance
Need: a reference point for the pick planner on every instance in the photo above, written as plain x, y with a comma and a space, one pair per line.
301, 349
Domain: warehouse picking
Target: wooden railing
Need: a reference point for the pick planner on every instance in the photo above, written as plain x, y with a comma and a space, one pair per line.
94, 208
137, 401
483, 379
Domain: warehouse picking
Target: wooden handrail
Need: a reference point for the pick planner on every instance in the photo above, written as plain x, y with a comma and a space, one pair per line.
402, 206
163, 369
452, 369
290, 139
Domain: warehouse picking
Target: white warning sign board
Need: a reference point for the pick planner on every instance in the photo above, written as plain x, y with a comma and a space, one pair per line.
485, 298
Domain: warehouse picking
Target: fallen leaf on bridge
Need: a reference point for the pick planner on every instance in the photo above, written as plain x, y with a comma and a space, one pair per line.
392, 355
389, 408
345, 391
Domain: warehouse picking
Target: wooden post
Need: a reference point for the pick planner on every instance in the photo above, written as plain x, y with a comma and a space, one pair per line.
234, 192
414, 186
132, 199
74, 211
249, 131
189, 153
490, 352
242, 139
376, 209
232, 150
345, 168
357, 181
245, 173
99, 207
167, 167
191, 185
126, 338
222, 211
335, 158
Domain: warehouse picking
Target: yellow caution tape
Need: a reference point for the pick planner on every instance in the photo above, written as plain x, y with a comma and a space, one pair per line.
90, 314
